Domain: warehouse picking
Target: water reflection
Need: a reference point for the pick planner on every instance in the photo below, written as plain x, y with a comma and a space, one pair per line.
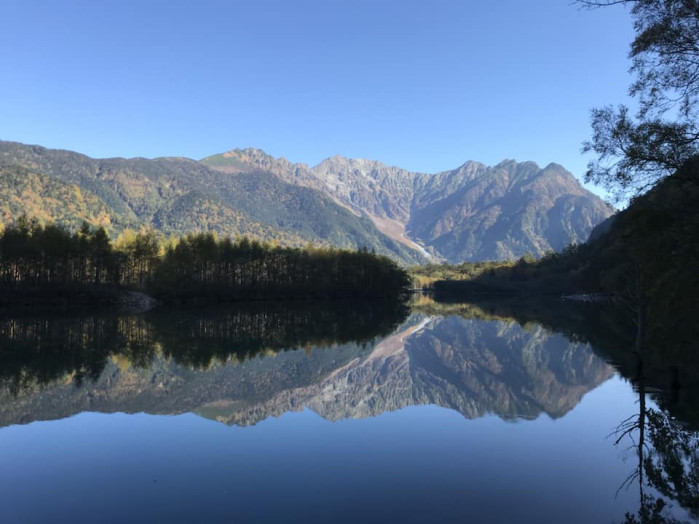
666, 449
667, 469
243, 365
670, 360
661, 438
42, 349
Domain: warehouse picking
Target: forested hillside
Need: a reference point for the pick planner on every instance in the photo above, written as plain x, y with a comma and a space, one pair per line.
177, 196
25, 192
472, 213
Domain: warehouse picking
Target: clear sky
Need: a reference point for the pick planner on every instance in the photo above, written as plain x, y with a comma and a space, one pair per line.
423, 85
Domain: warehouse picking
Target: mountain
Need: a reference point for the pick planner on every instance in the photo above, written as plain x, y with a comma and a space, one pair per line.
24, 191
472, 366
644, 259
176, 196
477, 212
474, 212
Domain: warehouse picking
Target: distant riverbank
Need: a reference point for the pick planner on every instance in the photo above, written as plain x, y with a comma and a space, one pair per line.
65, 298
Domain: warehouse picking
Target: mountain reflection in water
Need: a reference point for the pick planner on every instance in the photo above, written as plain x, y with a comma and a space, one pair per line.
245, 364
623, 453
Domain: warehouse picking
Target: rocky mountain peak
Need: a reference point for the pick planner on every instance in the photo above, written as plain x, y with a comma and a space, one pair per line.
473, 212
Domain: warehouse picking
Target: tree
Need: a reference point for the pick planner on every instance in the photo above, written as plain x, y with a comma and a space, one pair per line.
635, 152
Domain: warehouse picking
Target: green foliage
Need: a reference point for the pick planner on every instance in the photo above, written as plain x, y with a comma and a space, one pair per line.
177, 196
196, 266
632, 156
424, 277
634, 153
200, 265
25, 192
552, 274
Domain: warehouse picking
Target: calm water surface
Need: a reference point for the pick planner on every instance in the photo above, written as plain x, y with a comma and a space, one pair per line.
326, 414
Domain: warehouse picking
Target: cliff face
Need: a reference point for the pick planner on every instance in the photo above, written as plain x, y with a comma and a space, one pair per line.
471, 366
474, 212
479, 213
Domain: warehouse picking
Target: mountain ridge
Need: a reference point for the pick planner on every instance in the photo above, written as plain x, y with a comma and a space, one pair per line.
427, 211
473, 212
179, 195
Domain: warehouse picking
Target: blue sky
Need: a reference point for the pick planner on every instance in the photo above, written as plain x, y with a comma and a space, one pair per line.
423, 85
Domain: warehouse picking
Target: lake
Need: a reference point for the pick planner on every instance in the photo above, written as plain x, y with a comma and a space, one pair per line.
342, 412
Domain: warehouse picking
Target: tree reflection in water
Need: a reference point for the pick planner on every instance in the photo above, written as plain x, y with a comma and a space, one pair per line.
668, 462
40, 350
37, 350
666, 448
659, 360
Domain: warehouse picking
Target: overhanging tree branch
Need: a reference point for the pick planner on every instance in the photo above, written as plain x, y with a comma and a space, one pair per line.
635, 152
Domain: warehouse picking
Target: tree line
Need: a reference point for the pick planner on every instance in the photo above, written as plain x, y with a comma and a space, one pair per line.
197, 265
424, 277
